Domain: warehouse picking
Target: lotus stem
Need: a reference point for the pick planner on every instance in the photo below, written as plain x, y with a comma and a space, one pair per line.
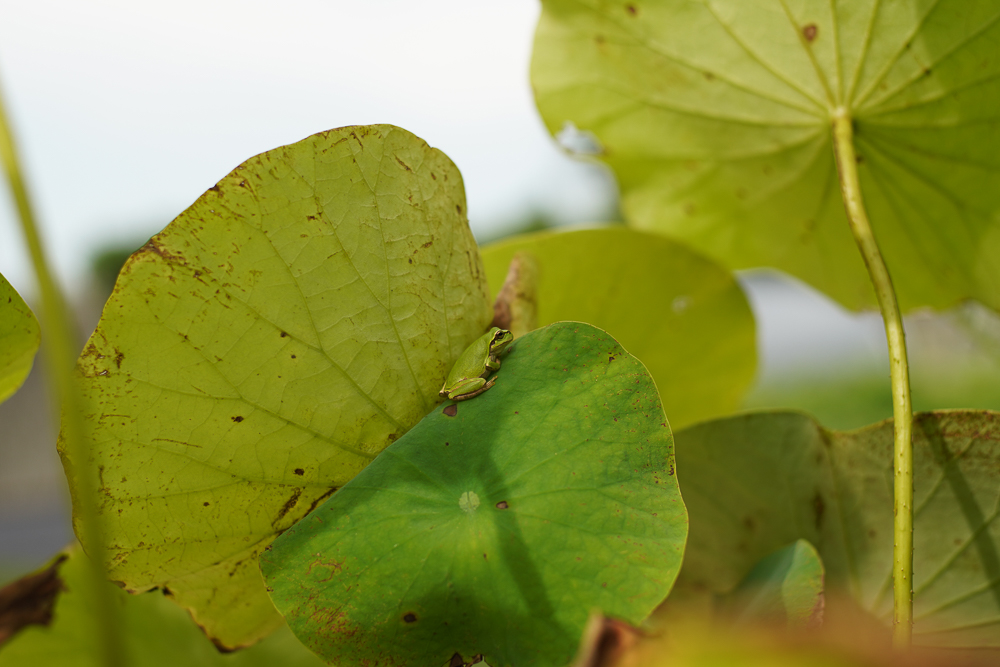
902, 410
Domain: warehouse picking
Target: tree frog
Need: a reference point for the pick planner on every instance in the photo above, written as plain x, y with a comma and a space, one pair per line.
468, 376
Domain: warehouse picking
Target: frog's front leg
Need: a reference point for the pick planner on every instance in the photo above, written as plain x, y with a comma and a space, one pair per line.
493, 363
477, 392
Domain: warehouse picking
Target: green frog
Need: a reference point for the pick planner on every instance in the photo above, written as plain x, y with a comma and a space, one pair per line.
468, 376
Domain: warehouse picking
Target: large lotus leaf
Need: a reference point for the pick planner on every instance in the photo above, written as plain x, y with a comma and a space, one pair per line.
678, 311
755, 482
19, 339
59, 627
716, 117
263, 348
497, 524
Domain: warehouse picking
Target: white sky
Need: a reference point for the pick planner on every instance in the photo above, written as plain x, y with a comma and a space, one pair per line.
126, 111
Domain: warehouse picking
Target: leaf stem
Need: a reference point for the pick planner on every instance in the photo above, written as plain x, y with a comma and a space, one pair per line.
60, 351
902, 411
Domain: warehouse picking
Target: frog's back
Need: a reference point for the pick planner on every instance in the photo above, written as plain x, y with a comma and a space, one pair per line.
474, 357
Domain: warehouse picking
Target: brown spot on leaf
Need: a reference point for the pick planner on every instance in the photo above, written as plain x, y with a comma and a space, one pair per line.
153, 246
810, 31
819, 507
284, 334
458, 208
451, 410
403, 164
300, 472
204, 504
502, 505
316, 502
631, 9
287, 507
410, 617
237, 419
29, 600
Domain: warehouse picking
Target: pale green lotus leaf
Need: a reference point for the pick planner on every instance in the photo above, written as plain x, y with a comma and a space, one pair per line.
681, 313
785, 586
260, 351
153, 633
716, 117
19, 339
755, 482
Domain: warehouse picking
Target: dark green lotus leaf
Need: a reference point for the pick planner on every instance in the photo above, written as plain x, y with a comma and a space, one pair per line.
58, 629
19, 339
680, 312
262, 349
716, 117
496, 524
753, 483
785, 586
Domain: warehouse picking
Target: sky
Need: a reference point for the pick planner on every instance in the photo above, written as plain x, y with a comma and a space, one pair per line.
125, 112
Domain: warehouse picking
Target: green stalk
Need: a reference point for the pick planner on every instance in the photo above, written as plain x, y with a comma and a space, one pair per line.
60, 351
902, 411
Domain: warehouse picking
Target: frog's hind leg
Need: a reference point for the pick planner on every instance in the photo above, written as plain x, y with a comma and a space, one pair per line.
465, 397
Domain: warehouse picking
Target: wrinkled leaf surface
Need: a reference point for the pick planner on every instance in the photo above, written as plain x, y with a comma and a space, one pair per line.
263, 348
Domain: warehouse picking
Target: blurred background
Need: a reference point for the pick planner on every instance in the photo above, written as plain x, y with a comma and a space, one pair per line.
125, 112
